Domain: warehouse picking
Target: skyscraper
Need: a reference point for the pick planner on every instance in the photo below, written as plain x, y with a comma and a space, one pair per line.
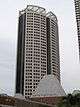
53, 66
77, 10
37, 49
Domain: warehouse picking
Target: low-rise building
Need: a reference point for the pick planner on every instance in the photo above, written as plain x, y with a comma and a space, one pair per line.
8, 101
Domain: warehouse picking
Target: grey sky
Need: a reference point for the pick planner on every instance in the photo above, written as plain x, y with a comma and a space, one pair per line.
64, 10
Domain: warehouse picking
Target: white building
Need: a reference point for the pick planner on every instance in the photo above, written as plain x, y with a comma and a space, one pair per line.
37, 49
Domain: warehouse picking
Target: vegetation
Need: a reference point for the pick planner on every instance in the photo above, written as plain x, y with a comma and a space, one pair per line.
70, 101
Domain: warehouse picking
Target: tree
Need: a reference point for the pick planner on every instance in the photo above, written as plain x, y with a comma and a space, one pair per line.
70, 101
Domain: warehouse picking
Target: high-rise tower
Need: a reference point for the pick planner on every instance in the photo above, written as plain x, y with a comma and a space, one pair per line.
52, 45
77, 10
37, 49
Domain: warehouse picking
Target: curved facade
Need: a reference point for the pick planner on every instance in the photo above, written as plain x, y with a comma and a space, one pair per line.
53, 46
35, 49
38, 48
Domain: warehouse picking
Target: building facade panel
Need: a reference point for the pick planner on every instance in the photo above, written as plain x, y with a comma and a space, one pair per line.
53, 46
77, 11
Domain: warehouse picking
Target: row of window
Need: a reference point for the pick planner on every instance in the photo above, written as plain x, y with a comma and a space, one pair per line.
36, 72
29, 89
36, 64
43, 18
35, 68
36, 25
30, 23
28, 94
37, 55
36, 51
36, 40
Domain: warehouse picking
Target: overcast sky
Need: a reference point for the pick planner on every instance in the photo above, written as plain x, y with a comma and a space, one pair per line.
69, 59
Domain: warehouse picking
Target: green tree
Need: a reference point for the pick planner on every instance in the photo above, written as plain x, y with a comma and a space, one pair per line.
70, 101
